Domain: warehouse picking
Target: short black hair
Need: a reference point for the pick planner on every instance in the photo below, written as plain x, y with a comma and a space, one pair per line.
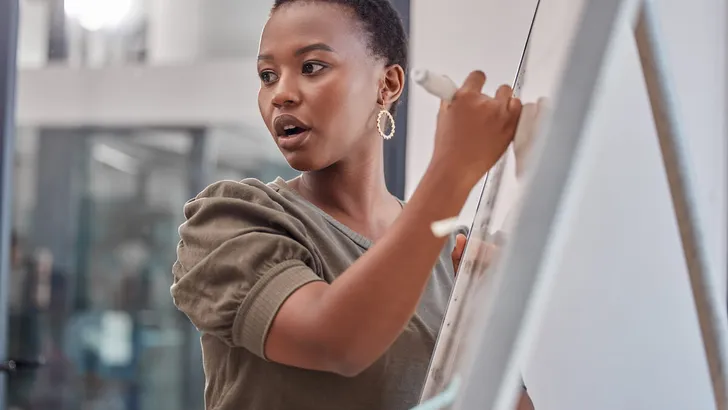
382, 23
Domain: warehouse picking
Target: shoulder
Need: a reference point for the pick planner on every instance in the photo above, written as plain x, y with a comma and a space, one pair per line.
232, 219
227, 209
240, 255
236, 197
249, 190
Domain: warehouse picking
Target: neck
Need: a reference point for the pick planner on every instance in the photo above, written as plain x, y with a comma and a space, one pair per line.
353, 186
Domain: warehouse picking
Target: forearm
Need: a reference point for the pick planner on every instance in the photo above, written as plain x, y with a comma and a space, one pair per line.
525, 403
367, 307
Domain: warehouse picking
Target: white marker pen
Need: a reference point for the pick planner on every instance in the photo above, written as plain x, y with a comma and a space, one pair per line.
436, 84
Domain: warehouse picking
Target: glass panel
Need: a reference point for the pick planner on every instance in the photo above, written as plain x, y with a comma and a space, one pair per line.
91, 294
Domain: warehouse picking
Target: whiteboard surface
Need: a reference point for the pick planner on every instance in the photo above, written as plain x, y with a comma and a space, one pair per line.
620, 330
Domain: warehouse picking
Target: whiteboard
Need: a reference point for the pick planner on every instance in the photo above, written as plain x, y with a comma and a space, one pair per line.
497, 199
620, 329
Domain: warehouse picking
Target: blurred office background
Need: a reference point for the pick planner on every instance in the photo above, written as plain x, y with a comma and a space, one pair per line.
126, 108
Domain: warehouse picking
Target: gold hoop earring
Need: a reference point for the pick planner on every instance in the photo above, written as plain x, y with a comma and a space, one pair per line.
379, 124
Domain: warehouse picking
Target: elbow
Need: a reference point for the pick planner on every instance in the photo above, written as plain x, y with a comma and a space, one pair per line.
349, 368
349, 360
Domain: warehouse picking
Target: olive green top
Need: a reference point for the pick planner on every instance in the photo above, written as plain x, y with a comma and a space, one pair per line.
245, 247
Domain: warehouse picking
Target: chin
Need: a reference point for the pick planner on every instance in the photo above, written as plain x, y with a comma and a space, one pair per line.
302, 162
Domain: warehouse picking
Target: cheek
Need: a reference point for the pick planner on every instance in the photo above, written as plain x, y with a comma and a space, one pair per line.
260, 102
265, 106
328, 95
345, 101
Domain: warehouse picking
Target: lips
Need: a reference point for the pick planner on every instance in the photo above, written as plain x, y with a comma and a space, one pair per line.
287, 125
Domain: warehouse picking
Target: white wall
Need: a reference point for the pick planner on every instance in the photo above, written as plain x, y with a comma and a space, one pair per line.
197, 94
620, 330
182, 31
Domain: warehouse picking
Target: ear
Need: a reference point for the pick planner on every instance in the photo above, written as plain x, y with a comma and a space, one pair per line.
391, 85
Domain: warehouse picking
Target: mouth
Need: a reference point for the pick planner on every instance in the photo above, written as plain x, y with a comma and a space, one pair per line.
287, 125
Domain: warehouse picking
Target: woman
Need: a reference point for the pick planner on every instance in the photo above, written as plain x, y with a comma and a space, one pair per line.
326, 292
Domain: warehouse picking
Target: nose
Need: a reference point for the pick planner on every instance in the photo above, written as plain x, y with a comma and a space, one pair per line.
286, 92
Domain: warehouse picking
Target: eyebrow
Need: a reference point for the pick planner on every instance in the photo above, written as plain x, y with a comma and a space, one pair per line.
302, 50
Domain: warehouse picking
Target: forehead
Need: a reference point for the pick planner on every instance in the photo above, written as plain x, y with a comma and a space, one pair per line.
302, 23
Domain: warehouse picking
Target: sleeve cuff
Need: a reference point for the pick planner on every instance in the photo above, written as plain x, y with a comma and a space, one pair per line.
256, 313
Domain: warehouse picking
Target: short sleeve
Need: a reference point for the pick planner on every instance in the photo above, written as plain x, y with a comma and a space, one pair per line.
240, 256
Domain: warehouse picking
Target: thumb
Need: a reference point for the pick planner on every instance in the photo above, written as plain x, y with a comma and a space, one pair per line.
457, 252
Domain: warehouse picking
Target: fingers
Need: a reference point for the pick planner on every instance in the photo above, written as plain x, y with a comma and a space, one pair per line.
444, 104
483, 252
513, 110
515, 105
475, 81
457, 252
460, 240
484, 256
504, 93
498, 238
511, 105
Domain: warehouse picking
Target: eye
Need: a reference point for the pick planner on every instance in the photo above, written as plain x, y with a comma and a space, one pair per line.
268, 77
312, 67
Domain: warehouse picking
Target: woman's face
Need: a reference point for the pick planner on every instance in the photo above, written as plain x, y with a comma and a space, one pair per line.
320, 85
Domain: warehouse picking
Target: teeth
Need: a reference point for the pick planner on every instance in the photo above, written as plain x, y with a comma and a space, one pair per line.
289, 127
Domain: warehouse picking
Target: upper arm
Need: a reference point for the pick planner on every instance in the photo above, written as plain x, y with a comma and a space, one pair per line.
240, 257
297, 338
